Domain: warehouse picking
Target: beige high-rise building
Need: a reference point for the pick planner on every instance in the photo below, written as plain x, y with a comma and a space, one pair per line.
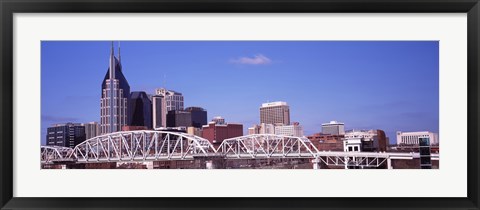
277, 113
172, 100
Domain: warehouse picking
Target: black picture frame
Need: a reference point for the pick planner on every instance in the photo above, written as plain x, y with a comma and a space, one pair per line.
10, 7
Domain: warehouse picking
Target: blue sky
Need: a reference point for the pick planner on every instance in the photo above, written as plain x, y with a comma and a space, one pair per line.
385, 85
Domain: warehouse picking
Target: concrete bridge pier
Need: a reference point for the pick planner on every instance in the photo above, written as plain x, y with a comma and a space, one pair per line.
213, 163
316, 163
209, 164
389, 163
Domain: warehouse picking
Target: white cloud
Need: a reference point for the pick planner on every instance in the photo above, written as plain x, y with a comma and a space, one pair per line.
255, 60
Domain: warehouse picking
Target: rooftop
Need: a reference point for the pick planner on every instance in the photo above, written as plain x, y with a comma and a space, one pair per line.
276, 103
333, 123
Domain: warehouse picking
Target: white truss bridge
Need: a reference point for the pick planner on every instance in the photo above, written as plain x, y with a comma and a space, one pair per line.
148, 145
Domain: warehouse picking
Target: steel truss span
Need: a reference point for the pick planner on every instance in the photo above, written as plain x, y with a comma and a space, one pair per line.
259, 146
267, 146
141, 146
54, 153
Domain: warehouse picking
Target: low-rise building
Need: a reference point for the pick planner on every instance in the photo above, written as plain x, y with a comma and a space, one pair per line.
333, 128
267, 128
65, 135
411, 138
327, 142
289, 130
216, 133
279, 129
194, 131
218, 120
255, 129
370, 140
352, 144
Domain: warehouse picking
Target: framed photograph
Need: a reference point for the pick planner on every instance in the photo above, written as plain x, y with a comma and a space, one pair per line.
239, 105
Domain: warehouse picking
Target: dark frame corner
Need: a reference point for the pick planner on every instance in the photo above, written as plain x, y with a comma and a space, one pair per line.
9, 7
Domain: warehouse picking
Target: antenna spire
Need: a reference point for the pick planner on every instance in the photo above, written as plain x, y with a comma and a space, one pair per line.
112, 63
112, 50
119, 51
164, 81
112, 128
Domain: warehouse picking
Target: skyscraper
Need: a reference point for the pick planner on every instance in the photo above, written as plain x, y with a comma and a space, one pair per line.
114, 111
171, 101
158, 112
140, 109
275, 113
199, 116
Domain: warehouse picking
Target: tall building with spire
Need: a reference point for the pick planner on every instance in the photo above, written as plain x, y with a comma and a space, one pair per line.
114, 111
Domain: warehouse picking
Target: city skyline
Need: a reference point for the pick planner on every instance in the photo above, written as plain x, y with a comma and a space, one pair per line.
391, 86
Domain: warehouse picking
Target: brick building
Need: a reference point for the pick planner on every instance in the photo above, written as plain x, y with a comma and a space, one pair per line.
327, 142
216, 133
